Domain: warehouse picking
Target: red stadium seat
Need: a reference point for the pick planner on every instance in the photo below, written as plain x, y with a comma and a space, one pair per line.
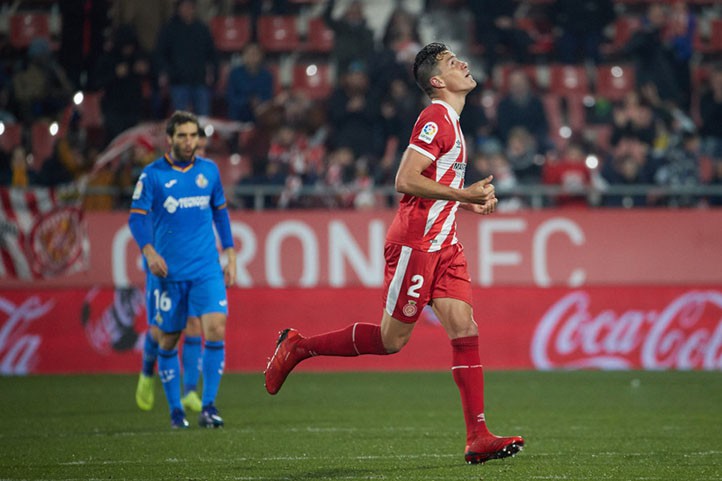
568, 79
713, 43
614, 81
26, 26
319, 38
230, 34
313, 79
278, 33
11, 136
503, 72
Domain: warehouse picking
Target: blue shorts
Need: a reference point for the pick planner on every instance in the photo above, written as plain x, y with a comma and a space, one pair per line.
170, 303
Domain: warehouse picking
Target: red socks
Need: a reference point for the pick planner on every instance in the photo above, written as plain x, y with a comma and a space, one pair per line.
469, 377
353, 340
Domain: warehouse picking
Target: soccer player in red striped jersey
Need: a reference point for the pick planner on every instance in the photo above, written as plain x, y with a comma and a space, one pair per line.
425, 263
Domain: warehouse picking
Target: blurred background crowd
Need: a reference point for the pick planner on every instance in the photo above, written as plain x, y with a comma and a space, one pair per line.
310, 103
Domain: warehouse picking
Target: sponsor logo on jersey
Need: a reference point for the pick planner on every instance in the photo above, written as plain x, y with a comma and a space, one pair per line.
201, 181
459, 168
223, 303
457, 144
172, 204
171, 183
428, 132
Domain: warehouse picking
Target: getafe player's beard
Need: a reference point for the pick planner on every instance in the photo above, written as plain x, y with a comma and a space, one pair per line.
181, 156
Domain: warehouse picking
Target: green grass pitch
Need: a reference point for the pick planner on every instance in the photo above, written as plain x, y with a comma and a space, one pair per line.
581, 425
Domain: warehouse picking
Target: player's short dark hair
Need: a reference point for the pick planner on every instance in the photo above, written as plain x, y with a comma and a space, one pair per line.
180, 117
425, 65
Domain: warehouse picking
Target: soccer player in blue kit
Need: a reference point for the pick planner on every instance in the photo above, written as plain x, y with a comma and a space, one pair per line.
176, 202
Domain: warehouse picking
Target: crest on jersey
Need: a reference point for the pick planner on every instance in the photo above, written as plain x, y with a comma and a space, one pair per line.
410, 309
428, 132
201, 181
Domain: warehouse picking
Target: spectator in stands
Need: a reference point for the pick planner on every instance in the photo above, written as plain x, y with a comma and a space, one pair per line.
66, 164
250, 84
581, 25
82, 38
710, 107
15, 170
146, 17
680, 167
494, 27
401, 35
680, 33
570, 173
120, 74
631, 165
475, 125
652, 55
521, 107
353, 116
354, 40
523, 156
187, 60
41, 88
633, 118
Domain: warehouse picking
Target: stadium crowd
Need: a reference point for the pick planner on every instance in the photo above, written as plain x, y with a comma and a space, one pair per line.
590, 97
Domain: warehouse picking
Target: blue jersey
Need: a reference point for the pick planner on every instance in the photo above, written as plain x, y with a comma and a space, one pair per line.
180, 202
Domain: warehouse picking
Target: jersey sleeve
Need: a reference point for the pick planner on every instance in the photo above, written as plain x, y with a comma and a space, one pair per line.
142, 200
218, 198
433, 133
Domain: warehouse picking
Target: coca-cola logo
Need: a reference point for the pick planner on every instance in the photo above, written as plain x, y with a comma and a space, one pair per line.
18, 348
685, 334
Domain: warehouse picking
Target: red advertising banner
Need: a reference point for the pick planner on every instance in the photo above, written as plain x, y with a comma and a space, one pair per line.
100, 330
318, 249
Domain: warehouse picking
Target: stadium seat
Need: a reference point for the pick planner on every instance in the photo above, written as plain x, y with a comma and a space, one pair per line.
313, 79
503, 72
319, 38
568, 79
11, 136
713, 44
27, 26
278, 33
613, 82
230, 33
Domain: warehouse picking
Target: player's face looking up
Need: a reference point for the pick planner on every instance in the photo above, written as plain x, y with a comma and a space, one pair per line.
454, 73
184, 141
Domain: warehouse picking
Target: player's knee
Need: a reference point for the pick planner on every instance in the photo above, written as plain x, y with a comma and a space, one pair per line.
215, 330
395, 343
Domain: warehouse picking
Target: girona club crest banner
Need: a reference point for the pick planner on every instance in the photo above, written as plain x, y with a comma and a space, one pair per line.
42, 233
655, 328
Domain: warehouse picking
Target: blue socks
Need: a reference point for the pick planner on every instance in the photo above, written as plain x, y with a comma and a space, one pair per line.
169, 373
191, 362
213, 364
150, 353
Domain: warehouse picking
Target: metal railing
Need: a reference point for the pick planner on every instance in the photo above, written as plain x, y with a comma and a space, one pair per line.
266, 197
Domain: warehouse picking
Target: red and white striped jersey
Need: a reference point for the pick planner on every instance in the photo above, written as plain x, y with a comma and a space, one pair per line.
429, 224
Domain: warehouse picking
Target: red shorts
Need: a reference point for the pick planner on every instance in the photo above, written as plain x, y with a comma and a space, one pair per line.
413, 278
